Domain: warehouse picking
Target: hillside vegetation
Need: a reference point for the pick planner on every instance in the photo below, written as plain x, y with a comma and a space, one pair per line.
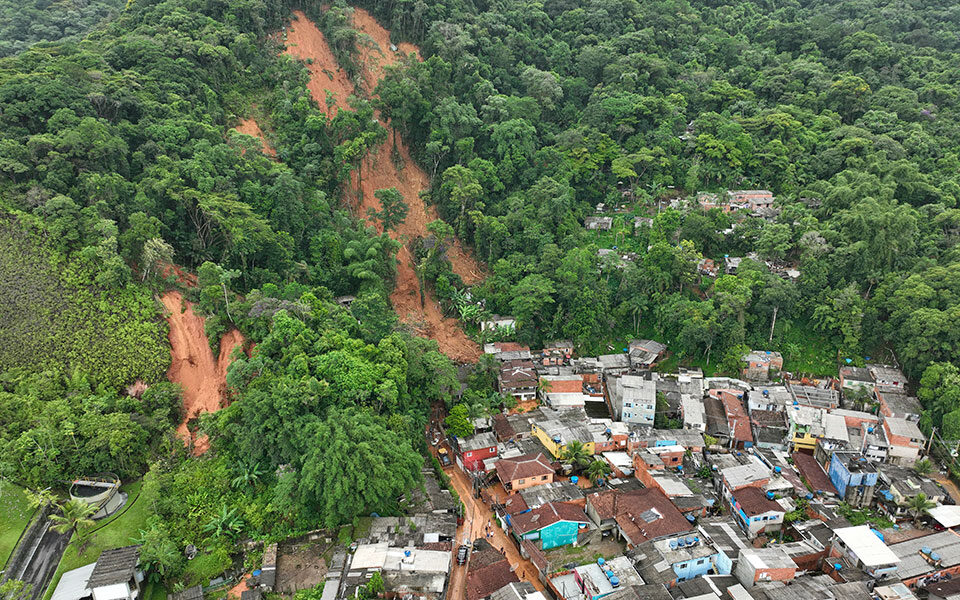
55, 318
23, 24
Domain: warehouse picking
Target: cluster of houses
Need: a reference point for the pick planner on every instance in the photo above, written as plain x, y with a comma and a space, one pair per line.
743, 502
755, 203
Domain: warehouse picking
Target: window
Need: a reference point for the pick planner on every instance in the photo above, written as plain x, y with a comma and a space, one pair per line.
675, 459
520, 482
683, 565
628, 405
544, 478
701, 561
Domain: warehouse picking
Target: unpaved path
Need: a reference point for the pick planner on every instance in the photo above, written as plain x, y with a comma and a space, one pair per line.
379, 172
203, 378
251, 128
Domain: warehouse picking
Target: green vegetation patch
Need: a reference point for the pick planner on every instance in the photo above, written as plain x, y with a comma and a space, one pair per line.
16, 511
52, 317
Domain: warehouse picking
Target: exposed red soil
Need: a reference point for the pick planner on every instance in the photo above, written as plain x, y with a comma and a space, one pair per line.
251, 128
305, 41
203, 378
379, 171
375, 53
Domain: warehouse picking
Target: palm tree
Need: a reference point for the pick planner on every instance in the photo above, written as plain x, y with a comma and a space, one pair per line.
248, 474
919, 505
576, 454
74, 515
227, 523
923, 467
597, 470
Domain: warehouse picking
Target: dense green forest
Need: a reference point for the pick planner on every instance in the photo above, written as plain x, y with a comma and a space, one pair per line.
25, 24
117, 156
530, 115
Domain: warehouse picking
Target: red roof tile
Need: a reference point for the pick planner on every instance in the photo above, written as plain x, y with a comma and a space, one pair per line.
632, 509
548, 514
737, 418
484, 581
523, 467
515, 504
813, 472
753, 501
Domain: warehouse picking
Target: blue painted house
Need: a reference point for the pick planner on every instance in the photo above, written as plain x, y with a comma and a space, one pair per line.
554, 524
854, 477
682, 558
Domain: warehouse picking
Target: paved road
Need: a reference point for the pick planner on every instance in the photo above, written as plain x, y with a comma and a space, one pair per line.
41, 566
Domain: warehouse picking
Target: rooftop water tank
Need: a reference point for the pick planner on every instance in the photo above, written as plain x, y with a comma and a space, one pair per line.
809, 496
869, 429
766, 393
574, 479
256, 572
601, 561
689, 541
777, 469
406, 553
609, 574
769, 495
837, 566
673, 544
934, 556
615, 581
926, 550
681, 543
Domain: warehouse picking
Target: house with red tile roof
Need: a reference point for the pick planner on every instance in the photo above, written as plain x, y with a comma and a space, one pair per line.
524, 471
756, 511
637, 515
737, 419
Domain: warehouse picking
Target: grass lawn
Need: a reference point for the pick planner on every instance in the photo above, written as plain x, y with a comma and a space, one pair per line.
114, 532
16, 513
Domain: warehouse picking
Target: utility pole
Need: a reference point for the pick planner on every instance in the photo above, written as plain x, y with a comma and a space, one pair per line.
933, 432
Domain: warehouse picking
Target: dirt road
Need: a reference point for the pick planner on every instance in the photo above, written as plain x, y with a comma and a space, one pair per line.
304, 41
202, 377
476, 518
948, 485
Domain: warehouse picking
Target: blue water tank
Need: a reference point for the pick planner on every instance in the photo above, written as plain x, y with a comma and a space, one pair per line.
673, 544
934, 556
406, 553
837, 566
680, 468
926, 549
574, 479
795, 403
766, 393
691, 518
869, 429
609, 574
601, 561
777, 469
689, 541
769, 495
809, 496
256, 573
615, 581
608, 430
681, 543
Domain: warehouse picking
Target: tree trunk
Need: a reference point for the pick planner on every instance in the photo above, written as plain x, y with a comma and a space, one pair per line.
226, 300
773, 323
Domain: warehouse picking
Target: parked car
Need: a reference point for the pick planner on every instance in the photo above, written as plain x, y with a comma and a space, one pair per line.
462, 554
444, 457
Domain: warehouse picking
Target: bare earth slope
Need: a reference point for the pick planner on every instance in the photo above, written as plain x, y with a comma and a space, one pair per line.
306, 41
193, 366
